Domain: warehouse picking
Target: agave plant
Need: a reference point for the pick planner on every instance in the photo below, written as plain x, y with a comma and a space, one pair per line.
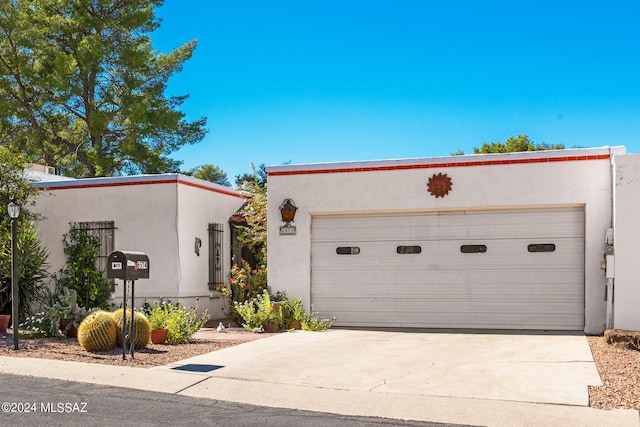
32, 272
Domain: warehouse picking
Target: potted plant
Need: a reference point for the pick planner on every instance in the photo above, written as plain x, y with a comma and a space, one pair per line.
269, 312
158, 316
66, 314
295, 312
261, 312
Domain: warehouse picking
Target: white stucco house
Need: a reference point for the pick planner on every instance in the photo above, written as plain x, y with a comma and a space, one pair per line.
498, 241
180, 222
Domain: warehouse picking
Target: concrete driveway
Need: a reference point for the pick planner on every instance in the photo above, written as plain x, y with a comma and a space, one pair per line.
534, 368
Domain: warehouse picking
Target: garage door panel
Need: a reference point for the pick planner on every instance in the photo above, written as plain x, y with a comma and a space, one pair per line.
465, 307
455, 315
436, 255
445, 226
442, 291
455, 321
390, 281
531, 275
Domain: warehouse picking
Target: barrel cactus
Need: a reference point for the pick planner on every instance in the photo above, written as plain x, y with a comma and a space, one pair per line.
97, 332
142, 328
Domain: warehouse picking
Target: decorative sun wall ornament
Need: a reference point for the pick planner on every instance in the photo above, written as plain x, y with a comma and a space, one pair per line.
439, 185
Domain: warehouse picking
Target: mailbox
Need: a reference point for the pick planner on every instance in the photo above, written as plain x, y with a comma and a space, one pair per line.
127, 265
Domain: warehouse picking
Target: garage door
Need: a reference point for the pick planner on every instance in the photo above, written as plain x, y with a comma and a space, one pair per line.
504, 269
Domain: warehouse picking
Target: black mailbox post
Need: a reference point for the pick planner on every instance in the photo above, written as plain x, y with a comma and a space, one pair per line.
128, 266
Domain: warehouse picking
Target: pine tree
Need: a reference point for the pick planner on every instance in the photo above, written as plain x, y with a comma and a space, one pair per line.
82, 89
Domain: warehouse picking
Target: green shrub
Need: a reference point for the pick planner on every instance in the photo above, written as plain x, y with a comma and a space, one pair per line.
39, 326
183, 322
32, 269
312, 321
80, 272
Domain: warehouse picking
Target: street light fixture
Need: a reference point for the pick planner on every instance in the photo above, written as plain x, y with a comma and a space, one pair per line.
14, 212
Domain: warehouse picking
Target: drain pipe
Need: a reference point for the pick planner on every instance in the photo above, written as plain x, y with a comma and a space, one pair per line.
610, 275
609, 267
609, 258
610, 271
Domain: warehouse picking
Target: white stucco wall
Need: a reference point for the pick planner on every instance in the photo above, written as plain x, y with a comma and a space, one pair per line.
626, 313
197, 209
514, 180
158, 215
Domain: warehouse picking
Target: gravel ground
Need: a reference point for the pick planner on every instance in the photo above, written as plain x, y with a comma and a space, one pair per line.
619, 368
205, 341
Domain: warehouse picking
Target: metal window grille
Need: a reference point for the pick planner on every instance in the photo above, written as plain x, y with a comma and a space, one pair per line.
216, 272
105, 232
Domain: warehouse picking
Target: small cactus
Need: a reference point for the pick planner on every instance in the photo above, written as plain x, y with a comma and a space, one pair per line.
97, 332
142, 328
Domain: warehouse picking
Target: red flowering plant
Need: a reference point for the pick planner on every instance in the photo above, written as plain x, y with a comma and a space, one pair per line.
245, 283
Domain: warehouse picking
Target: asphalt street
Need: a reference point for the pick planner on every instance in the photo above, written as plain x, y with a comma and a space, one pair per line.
28, 401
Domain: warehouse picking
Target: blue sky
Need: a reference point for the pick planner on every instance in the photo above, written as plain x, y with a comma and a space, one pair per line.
322, 81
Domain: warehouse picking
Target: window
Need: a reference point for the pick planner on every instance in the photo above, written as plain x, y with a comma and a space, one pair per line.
473, 249
541, 247
408, 250
216, 273
348, 250
104, 231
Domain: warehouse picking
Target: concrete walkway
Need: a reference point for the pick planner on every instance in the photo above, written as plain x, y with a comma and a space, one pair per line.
475, 379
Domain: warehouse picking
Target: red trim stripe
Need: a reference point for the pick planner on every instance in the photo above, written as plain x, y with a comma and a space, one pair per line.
440, 165
215, 190
151, 182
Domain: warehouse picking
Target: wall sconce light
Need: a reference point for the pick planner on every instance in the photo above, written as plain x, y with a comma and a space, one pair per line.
288, 210
197, 246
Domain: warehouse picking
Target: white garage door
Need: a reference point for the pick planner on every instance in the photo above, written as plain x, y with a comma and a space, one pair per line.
507, 269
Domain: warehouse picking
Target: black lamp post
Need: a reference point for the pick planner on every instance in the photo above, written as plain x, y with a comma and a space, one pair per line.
14, 212
288, 210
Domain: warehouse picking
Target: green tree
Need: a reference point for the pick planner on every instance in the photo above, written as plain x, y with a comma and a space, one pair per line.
513, 145
257, 176
14, 185
253, 232
82, 88
209, 173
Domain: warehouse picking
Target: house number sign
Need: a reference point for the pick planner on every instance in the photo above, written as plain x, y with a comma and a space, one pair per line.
288, 230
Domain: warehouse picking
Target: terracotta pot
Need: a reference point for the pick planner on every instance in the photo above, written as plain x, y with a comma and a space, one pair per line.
159, 336
270, 327
72, 332
4, 322
295, 324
